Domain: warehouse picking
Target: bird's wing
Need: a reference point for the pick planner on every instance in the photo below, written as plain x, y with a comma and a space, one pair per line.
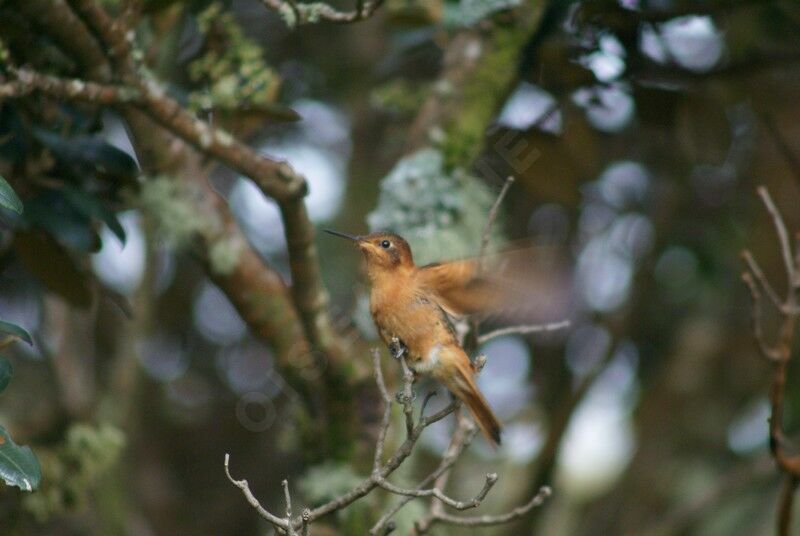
461, 287
513, 284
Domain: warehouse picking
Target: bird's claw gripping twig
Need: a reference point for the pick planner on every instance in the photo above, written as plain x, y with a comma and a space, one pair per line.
397, 348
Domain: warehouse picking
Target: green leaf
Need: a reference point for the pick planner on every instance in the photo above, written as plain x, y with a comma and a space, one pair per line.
8, 197
92, 207
89, 151
52, 212
18, 465
6, 371
16, 331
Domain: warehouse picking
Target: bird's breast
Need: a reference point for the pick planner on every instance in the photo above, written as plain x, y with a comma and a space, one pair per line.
416, 320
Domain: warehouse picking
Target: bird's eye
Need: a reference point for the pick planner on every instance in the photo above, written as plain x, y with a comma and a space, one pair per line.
385, 244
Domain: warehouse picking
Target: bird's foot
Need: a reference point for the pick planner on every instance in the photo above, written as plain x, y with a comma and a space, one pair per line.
397, 348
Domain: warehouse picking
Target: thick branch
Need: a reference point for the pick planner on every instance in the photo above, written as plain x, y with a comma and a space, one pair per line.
143, 102
275, 179
257, 291
263, 301
62, 25
111, 33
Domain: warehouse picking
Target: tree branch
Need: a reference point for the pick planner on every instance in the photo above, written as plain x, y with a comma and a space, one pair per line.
492, 216
65, 28
491, 480
276, 179
245, 487
301, 13
754, 267
460, 440
142, 101
524, 330
485, 520
381, 470
778, 353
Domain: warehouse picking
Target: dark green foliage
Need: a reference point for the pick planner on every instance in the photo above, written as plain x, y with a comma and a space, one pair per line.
8, 197
84, 155
18, 465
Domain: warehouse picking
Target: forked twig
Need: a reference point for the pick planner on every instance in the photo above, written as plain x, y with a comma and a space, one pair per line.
524, 330
381, 470
778, 353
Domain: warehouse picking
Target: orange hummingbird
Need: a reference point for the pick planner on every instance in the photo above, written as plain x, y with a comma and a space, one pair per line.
411, 303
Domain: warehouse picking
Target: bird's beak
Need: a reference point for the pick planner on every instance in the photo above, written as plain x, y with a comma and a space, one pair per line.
343, 235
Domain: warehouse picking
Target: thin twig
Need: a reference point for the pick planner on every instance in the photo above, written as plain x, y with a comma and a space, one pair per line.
523, 330
487, 229
387, 411
488, 484
479, 521
762, 280
779, 353
460, 440
786, 506
758, 331
245, 487
465, 432
373, 481
783, 237
407, 395
288, 499
428, 396
305, 527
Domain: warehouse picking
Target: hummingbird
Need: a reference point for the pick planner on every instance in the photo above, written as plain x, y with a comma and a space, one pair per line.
410, 305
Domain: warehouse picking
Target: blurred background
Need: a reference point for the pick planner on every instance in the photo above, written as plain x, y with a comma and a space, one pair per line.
637, 131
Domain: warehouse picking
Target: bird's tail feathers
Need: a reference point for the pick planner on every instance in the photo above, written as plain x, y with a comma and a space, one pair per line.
462, 384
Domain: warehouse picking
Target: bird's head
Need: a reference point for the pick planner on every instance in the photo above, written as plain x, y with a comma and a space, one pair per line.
382, 251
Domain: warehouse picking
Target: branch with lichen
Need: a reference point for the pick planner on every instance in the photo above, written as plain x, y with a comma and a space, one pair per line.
778, 352
479, 69
276, 179
296, 13
163, 133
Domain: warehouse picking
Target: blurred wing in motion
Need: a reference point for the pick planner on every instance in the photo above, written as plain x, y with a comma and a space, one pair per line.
520, 284
460, 287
